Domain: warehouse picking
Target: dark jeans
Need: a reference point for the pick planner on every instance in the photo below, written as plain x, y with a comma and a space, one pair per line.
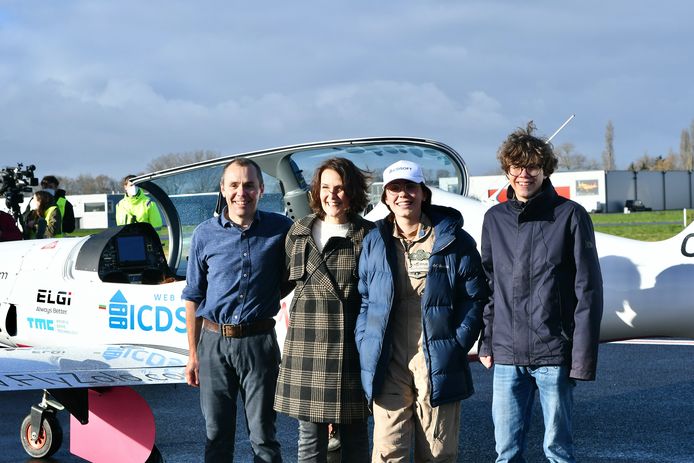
229, 366
313, 442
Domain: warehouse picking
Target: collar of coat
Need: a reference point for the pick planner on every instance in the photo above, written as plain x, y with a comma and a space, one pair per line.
539, 207
302, 262
445, 220
357, 227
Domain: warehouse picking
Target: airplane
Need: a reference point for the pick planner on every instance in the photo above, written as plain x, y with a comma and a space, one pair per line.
84, 319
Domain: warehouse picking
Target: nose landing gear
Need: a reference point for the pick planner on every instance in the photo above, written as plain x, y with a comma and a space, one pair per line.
41, 434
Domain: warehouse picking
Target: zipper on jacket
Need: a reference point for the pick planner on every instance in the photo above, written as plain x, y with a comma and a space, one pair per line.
425, 344
528, 310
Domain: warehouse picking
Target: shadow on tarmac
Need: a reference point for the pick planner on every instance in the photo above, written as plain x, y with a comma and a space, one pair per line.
638, 411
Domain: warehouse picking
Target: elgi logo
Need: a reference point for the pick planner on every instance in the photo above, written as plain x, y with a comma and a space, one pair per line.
61, 297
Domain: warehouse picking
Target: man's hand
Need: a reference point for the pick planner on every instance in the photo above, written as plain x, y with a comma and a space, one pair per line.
487, 361
192, 377
193, 326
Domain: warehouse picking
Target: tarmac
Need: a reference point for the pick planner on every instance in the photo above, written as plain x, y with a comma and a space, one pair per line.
638, 411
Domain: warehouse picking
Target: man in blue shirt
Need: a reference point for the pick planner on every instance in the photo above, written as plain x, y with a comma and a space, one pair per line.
236, 268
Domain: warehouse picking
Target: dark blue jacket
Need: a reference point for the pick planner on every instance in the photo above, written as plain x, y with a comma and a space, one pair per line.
543, 269
452, 304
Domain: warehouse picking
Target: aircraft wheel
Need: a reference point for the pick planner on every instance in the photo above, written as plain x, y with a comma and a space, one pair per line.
49, 440
155, 456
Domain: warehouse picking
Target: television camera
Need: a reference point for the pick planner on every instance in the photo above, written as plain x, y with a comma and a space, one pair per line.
14, 181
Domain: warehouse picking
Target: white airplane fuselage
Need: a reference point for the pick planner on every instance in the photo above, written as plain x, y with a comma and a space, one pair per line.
59, 306
645, 285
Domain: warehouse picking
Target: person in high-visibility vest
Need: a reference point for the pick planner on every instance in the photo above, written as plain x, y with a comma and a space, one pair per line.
50, 183
45, 221
136, 206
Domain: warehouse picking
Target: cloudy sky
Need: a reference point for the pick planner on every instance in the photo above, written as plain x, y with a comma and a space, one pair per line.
101, 87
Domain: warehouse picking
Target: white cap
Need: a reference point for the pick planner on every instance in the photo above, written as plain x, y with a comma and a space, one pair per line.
403, 170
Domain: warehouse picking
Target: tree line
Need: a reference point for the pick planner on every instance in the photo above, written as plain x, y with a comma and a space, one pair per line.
569, 159
85, 184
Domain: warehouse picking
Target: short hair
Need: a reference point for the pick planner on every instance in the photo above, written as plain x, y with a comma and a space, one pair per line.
127, 178
521, 148
243, 162
49, 180
354, 181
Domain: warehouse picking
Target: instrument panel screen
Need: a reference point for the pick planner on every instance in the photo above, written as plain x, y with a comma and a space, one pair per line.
131, 249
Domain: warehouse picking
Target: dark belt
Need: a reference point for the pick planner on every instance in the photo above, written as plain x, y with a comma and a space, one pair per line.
239, 331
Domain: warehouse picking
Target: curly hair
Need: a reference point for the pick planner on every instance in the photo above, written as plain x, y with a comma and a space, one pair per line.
522, 148
354, 180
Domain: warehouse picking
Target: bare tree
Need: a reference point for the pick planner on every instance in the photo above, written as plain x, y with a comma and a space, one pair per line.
167, 161
670, 162
645, 162
686, 155
569, 160
88, 184
608, 154
206, 179
657, 163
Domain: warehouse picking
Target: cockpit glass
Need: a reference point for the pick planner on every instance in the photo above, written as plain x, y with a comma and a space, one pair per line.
194, 194
437, 166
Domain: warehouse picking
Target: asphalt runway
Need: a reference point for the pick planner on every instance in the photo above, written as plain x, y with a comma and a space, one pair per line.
639, 410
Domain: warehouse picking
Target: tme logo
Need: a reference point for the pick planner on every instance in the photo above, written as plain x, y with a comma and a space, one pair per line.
41, 324
47, 296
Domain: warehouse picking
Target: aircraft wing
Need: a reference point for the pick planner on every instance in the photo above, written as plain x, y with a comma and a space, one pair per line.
63, 367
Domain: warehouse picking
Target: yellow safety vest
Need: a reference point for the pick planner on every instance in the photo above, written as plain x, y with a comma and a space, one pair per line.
138, 208
54, 210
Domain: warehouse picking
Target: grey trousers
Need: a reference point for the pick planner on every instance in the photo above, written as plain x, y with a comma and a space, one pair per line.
227, 367
313, 442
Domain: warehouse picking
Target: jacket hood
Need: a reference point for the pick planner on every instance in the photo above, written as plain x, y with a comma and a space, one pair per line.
445, 220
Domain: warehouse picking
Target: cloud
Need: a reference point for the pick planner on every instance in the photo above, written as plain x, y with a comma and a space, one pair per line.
105, 87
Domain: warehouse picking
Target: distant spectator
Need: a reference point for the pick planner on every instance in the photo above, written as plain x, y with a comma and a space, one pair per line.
45, 220
8, 228
136, 207
50, 184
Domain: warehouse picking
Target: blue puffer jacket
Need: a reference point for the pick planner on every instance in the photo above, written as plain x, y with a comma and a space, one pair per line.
454, 296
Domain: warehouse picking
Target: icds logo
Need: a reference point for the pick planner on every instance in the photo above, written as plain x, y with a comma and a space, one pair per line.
125, 316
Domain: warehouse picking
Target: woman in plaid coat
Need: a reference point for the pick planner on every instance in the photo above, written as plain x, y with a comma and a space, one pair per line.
319, 380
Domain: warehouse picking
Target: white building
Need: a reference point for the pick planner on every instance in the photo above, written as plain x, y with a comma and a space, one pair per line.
94, 211
585, 187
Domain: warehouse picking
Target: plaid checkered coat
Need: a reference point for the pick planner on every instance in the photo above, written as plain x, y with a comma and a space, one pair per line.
319, 379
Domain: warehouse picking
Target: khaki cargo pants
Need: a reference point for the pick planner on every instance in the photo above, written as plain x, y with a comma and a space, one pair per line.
403, 414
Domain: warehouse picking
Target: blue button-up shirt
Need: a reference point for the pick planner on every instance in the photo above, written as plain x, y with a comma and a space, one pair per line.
235, 275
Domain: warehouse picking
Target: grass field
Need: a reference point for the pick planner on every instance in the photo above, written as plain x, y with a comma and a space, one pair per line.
645, 226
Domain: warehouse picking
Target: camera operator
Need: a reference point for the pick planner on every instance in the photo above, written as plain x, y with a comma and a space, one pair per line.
14, 181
